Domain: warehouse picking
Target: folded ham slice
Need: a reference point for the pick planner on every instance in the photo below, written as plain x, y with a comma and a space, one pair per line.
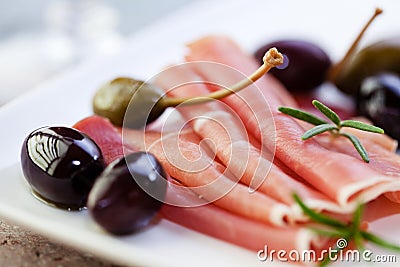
105, 135
342, 177
184, 159
232, 145
222, 224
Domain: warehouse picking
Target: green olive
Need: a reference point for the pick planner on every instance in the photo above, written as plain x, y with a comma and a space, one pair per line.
383, 56
128, 102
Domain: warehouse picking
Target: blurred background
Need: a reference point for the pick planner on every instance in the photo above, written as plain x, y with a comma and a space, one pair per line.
40, 38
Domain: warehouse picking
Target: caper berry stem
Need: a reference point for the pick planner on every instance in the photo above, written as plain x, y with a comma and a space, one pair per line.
338, 67
271, 59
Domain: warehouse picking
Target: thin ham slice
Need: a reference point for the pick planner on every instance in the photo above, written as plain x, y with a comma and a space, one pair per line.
383, 161
231, 143
184, 159
340, 176
105, 135
219, 223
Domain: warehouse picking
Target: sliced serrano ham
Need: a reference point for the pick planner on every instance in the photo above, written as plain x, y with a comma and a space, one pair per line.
183, 158
253, 220
105, 135
214, 122
340, 176
219, 223
207, 219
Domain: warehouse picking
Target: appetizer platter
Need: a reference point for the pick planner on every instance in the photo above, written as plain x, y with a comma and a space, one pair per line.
299, 159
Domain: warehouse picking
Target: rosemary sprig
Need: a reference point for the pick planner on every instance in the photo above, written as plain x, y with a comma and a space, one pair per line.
322, 126
351, 231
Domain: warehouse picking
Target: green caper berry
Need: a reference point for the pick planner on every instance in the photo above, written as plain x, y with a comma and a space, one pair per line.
128, 102
383, 56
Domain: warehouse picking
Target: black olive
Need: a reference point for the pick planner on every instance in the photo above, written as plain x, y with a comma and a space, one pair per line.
379, 100
128, 194
61, 165
305, 64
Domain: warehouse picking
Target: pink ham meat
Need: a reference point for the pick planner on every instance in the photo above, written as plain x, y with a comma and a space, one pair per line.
219, 223
213, 121
340, 176
183, 158
384, 161
208, 219
105, 135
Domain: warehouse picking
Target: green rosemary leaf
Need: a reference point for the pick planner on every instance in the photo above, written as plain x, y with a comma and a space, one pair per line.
322, 126
317, 217
357, 217
357, 144
302, 115
356, 227
361, 126
351, 232
379, 241
330, 114
317, 130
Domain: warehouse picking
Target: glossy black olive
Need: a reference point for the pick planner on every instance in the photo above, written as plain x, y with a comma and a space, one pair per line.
379, 100
128, 194
61, 165
305, 64
128, 102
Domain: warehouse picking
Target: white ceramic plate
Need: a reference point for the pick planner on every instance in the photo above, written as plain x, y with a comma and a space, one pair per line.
67, 99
